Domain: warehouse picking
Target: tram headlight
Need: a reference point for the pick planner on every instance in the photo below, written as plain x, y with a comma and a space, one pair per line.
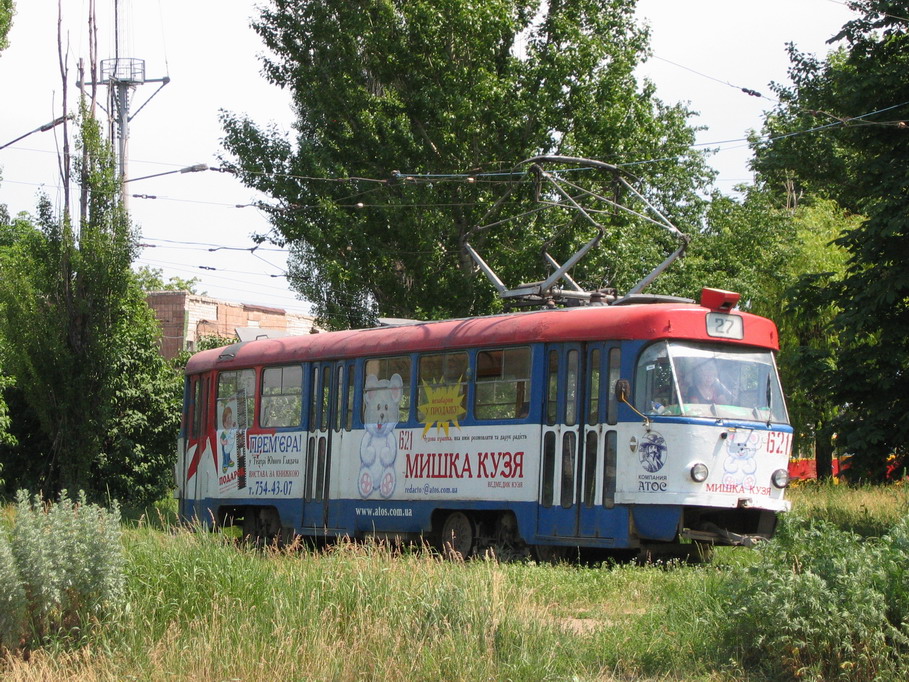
699, 472
780, 478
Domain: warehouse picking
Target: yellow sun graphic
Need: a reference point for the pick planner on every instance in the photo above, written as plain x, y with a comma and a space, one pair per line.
442, 406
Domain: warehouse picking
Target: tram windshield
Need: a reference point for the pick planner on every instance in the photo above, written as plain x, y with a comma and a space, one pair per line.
709, 380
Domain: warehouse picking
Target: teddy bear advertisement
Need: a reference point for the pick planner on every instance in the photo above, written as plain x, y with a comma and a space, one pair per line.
379, 449
741, 463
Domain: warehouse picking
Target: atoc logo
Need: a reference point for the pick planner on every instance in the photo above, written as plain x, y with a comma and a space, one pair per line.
652, 451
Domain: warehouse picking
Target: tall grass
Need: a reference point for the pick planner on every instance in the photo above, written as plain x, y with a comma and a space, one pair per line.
202, 607
823, 604
61, 568
868, 510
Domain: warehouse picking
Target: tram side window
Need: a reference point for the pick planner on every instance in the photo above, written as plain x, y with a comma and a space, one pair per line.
571, 388
198, 406
443, 388
339, 398
386, 382
282, 396
324, 400
655, 388
236, 400
552, 388
593, 387
590, 468
315, 396
609, 469
547, 493
615, 370
569, 453
502, 384
349, 409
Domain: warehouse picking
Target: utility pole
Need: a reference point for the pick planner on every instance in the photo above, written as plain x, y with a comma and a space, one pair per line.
122, 75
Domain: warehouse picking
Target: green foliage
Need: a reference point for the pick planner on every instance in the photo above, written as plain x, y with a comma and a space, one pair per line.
5, 422
134, 460
7, 10
443, 89
797, 300
63, 295
9, 233
151, 279
71, 565
204, 342
745, 245
823, 604
869, 510
94, 406
13, 605
135, 463
807, 605
859, 164
25, 457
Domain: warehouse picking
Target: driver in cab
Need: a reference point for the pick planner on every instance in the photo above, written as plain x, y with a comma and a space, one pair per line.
706, 386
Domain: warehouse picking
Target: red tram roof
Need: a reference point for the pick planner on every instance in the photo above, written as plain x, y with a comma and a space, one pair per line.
594, 323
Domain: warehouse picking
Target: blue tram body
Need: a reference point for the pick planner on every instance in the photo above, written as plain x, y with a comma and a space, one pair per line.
632, 426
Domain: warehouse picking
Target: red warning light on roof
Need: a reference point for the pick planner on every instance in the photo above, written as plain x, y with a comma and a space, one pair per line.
717, 299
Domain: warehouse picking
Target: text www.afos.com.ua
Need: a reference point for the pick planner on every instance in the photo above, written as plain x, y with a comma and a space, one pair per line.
382, 511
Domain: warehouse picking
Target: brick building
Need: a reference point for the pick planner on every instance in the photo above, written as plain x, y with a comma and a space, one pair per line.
185, 318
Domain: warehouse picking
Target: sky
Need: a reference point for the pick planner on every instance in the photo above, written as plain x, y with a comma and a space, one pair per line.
200, 224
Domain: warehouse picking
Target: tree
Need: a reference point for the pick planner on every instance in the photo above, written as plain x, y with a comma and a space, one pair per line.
62, 299
407, 113
136, 424
797, 300
136, 458
9, 233
93, 402
151, 279
860, 95
95, 406
6, 21
7, 10
742, 248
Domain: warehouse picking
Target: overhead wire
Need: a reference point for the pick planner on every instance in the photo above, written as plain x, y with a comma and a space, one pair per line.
480, 175
748, 91
476, 176
488, 176
272, 292
213, 246
211, 268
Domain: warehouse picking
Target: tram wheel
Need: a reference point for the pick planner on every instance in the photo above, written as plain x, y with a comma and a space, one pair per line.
550, 554
703, 553
458, 536
261, 526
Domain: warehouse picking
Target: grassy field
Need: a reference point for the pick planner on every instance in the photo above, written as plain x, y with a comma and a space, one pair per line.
200, 607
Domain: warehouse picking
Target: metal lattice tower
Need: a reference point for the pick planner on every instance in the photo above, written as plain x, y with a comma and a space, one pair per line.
122, 75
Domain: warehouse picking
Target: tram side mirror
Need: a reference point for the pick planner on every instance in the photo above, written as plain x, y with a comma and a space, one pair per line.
622, 390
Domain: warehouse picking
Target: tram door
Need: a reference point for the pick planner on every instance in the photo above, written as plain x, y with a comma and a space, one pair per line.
562, 471
598, 478
193, 451
326, 384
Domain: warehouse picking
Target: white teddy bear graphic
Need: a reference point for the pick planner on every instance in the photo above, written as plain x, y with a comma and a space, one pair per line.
378, 449
740, 464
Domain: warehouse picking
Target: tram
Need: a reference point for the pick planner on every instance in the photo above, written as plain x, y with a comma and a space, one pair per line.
649, 425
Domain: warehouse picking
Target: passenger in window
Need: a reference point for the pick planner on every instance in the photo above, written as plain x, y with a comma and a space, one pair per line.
707, 387
228, 438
